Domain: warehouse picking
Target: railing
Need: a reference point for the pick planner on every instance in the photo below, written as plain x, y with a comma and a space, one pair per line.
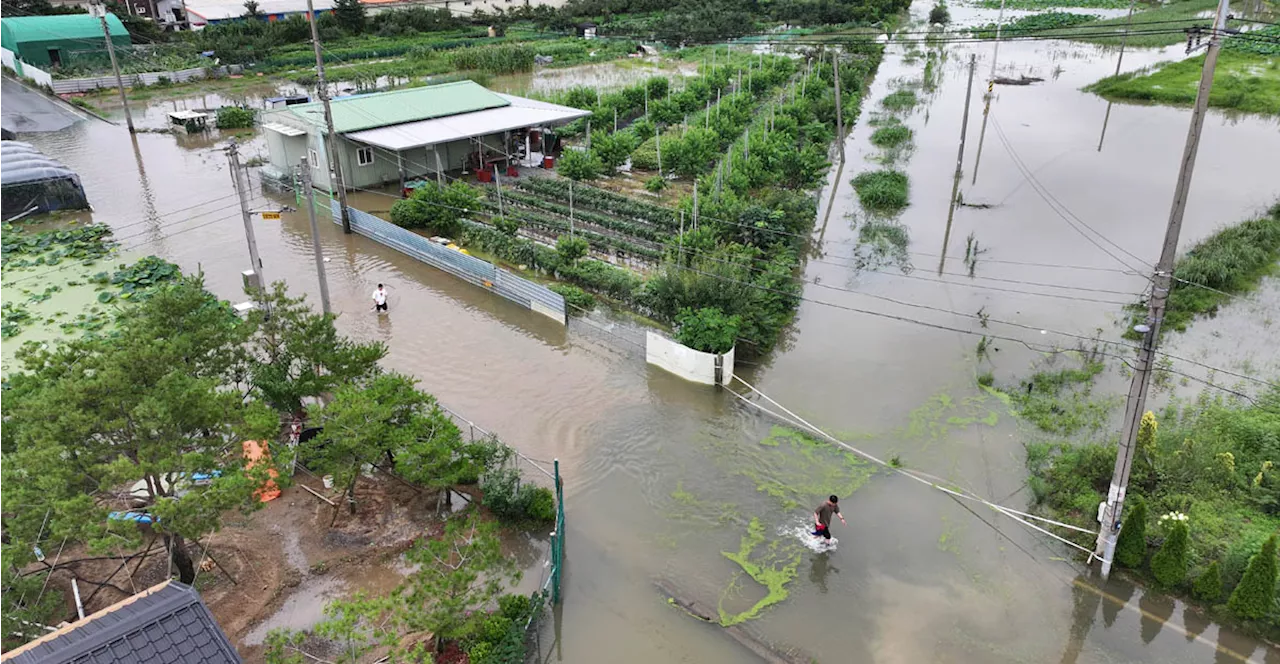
526, 293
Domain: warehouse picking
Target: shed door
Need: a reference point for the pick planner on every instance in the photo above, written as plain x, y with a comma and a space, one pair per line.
55, 57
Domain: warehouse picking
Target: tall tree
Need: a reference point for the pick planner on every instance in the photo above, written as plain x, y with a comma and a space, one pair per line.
350, 15
252, 10
296, 354
89, 418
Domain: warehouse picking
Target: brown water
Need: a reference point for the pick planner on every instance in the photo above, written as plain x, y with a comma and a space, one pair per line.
916, 577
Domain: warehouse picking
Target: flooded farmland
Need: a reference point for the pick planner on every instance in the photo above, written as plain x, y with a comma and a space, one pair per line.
664, 476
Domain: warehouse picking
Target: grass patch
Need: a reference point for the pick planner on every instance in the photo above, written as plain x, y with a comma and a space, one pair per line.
1242, 81
1061, 402
890, 136
1110, 31
900, 100
1232, 261
884, 191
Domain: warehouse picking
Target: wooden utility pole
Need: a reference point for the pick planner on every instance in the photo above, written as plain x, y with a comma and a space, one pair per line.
1162, 281
233, 157
955, 182
335, 159
101, 12
309, 201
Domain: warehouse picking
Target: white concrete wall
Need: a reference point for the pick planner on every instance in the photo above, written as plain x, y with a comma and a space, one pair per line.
686, 362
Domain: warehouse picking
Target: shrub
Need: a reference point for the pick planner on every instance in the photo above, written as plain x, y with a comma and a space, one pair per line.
1131, 546
440, 209
234, 117
575, 297
611, 149
515, 607
890, 136
541, 504
655, 184
509, 498
508, 225
579, 165
883, 191
1169, 565
900, 100
1255, 595
571, 249
708, 330
1208, 586
939, 14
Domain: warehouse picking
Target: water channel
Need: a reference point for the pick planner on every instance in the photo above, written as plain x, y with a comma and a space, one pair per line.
664, 476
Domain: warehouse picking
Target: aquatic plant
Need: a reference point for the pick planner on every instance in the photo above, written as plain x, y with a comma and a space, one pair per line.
900, 100
883, 191
890, 136
774, 574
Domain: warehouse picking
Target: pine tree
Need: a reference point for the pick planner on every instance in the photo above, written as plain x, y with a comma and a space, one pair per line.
1256, 594
1169, 564
1131, 546
1208, 587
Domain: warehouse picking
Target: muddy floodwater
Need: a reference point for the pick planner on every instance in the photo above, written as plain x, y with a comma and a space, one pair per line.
664, 476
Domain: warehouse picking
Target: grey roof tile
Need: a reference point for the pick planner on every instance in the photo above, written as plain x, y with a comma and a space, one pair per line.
167, 624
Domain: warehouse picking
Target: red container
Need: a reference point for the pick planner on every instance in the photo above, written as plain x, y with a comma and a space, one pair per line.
485, 175
548, 162
512, 171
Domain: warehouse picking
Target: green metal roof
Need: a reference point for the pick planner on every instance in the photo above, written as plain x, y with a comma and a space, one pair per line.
383, 109
19, 29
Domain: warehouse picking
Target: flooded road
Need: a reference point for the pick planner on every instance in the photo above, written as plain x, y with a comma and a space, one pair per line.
663, 476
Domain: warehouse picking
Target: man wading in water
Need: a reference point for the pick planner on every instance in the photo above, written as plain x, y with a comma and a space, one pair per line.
822, 517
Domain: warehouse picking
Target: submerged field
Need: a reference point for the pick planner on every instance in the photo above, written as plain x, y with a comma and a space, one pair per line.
1242, 82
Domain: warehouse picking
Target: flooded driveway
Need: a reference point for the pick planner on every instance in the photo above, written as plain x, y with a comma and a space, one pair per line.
663, 476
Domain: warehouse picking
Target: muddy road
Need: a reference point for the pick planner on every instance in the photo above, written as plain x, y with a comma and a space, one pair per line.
663, 476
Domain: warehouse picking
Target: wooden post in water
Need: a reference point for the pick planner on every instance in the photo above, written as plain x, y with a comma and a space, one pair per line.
955, 184
835, 63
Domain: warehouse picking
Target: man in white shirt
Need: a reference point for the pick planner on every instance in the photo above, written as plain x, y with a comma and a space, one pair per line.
380, 299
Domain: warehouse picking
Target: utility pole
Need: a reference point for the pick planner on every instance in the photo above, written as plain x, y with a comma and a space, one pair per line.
335, 159
991, 84
308, 200
955, 183
1105, 547
835, 63
100, 11
1119, 59
233, 156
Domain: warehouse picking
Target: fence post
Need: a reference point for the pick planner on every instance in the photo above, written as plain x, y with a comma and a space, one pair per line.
557, 541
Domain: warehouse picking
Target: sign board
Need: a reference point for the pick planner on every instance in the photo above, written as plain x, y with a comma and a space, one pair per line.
271, 216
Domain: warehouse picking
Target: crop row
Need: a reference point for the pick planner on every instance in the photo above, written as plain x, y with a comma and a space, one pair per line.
630, 228
605, 201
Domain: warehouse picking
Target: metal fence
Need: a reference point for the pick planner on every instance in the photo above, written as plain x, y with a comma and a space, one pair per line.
526, 293
65, 85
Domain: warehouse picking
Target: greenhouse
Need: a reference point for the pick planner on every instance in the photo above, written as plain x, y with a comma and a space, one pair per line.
32, 183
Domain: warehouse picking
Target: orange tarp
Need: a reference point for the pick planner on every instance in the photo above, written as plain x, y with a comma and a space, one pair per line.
255, 451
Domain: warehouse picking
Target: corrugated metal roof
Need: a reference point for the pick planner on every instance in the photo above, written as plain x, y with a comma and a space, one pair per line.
166, 624
520, 112
18, 29
283, 129
221, 10
383, 109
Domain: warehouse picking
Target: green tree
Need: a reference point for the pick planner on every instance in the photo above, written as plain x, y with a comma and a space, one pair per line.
460, 573
350, 15
1255, 595
570, 249
1208, 586
938, 15
89, 418
387, 419
1131, 546
579, 165
1169, 564
440, 209
252, 10
612, 149
296, 355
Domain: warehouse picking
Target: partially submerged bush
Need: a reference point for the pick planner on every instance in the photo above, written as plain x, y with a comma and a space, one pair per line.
883, 191
708, 330
234, 117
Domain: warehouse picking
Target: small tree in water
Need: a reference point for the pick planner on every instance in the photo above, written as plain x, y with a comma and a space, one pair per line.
939, 14
1255, 596
1131, 546
1169, 565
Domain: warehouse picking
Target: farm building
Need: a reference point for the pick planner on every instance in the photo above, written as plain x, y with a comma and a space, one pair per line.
47, 41
389, 137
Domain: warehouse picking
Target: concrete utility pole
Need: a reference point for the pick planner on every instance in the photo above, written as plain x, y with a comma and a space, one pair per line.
1105, 547
309, 201
991, 84
233, 156
955, 183
101, 12
335, 159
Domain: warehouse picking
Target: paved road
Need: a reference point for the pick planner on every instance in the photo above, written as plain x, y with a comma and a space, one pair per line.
26, 110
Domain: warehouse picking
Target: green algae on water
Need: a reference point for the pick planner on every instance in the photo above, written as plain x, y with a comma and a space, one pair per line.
774, 571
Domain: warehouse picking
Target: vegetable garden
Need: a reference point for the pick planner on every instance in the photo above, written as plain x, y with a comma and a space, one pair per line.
730, 162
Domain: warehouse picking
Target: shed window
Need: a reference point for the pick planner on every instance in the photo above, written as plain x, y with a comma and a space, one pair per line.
364, 156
